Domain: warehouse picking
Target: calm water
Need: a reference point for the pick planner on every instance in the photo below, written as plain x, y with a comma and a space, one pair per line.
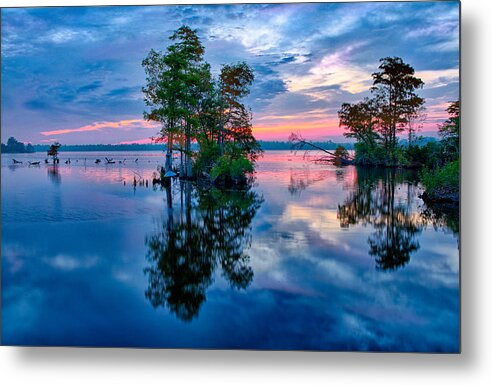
310, 257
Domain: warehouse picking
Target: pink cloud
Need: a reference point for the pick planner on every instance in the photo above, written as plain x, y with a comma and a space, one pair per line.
280, 130
97, 126
138, 141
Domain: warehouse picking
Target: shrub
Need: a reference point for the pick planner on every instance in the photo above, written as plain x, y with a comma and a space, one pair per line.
429, 156
340, 154
230, 170
369, 154
442, 183
206, 157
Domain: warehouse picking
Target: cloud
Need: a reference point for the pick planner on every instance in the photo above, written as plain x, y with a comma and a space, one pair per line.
35, 104
84, 64
438, 78
435, 30
138, 141
89, 87
65, 35
97, 126
335, 69
68, 263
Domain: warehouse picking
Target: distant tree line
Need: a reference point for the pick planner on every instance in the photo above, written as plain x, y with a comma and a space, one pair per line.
100, 147
265, 145
279, 145
13, 146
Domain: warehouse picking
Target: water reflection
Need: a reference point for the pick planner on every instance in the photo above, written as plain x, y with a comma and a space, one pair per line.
375, 201
442, 216
54, 174
209, 229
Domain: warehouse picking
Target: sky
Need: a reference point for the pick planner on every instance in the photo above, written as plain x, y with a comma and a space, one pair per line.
74, 74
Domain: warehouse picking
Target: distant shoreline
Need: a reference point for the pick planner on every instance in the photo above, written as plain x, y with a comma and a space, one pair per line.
265, 145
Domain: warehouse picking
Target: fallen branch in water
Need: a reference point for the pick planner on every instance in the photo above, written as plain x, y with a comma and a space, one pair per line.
299, 143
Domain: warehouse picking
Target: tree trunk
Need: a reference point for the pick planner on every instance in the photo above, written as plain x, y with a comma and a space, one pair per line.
181, 167
189, 170
169, 153
187, 173
220, 140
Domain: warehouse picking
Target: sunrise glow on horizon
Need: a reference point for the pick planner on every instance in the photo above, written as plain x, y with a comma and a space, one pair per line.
74, 75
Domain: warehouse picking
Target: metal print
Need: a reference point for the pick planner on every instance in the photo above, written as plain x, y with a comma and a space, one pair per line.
255, 176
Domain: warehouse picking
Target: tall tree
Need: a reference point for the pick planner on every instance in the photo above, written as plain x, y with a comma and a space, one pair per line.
394, 88
359, 121
234, 83
193, 106
173, 82
189, 49
415, 122
53, 152
450, 131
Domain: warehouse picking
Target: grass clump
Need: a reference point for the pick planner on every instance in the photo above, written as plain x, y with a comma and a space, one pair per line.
442, 183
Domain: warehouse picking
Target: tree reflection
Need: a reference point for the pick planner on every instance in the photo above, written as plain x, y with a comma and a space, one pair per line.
374, 203
209, 229
54, 174
300, 180
442, 216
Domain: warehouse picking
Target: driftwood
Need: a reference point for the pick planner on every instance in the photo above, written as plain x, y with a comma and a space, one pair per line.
299, 143
34, 163
109, 161
17, 161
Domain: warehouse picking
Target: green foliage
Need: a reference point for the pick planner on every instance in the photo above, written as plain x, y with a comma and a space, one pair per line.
400, 157
450, 133
192, 106
340, 153
206, 157
393, 108
232, 167
369, 154
443, 180
428, 156
359, 120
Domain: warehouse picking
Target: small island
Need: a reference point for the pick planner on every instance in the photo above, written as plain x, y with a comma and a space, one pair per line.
193, 106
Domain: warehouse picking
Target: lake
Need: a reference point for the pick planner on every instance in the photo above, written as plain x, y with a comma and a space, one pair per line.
310, 256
